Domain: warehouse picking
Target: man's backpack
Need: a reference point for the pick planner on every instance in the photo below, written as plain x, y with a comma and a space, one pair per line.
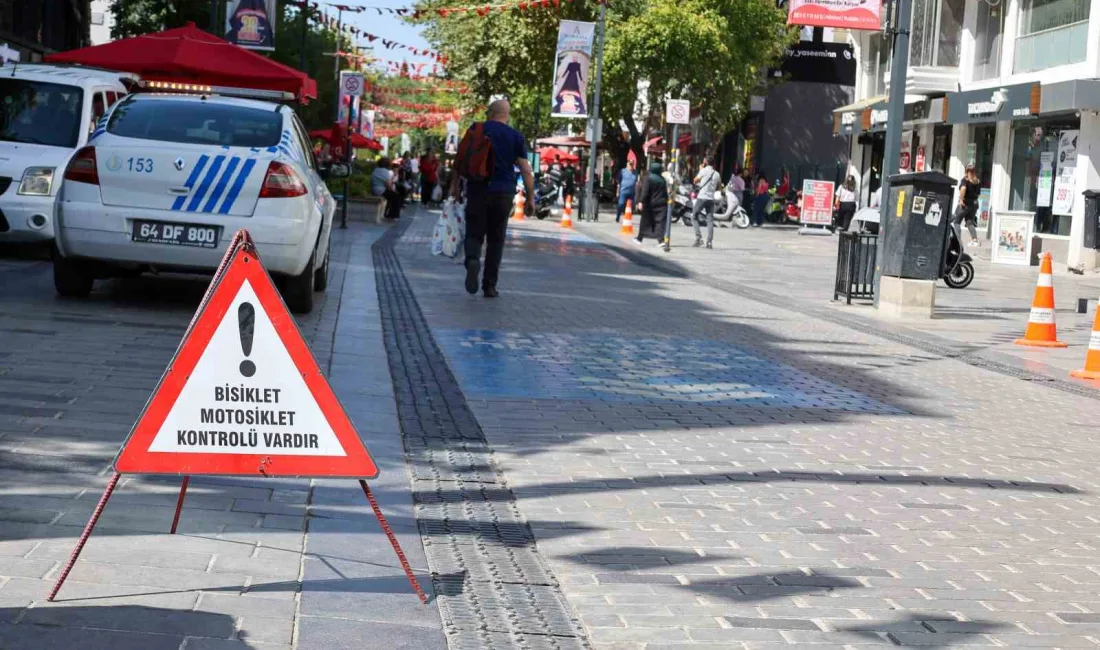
475, 160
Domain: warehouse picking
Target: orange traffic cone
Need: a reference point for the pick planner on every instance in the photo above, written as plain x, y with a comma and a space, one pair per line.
567, 214
1092, 357
628, 221
1041, 330
517, 213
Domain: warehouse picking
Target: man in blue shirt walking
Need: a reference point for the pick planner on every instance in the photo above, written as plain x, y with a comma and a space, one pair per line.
628, 179
489, 203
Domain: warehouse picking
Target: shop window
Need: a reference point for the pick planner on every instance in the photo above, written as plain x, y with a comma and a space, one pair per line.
936, 33
1029, 143
989, 38
877, 64
1052, 33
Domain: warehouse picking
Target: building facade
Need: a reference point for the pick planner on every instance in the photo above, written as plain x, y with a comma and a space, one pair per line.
102, 21
1009, 86
30, 29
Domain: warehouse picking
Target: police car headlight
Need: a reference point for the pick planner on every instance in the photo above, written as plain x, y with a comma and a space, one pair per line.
37, 181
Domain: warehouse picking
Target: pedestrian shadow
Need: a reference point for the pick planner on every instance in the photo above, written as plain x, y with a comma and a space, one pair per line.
635, 558
67, 625
926, 630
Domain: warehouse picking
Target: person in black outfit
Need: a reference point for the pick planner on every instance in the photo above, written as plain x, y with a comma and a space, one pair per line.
651, 197
489, 203
969, 189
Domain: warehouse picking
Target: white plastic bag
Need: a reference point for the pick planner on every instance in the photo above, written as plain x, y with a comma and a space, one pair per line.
438, 235
454, 218
437, 194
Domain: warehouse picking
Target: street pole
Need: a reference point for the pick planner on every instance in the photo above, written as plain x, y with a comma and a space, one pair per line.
347, 159
214, 17
303, 13
895, 116
336, 57
674, 172
592, 205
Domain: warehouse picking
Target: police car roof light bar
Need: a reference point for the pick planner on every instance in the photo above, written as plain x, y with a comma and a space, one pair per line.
227, 91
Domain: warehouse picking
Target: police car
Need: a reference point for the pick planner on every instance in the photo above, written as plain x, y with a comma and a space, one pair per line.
167, 179
47, 112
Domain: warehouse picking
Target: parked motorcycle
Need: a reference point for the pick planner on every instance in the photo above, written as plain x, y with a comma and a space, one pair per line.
683, 203
959, 263
546, 195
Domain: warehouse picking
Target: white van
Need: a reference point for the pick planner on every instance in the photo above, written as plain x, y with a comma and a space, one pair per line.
47, 112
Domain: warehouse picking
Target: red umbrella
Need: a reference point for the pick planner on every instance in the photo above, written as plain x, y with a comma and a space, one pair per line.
550, 154
358, 140
189, 55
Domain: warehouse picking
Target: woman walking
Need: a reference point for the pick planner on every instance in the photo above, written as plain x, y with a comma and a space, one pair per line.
970, 188
760, 202
845, 203
652, 200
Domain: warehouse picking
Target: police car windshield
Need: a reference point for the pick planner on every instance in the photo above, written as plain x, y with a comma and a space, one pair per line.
40, 113
196, 122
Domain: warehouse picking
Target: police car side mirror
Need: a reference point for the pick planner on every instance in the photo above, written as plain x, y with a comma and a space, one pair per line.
339, 170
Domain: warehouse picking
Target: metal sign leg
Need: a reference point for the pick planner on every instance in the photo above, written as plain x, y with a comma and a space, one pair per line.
179, 504
84, 535
393, 542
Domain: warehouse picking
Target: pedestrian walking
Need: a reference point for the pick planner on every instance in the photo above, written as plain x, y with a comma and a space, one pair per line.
382, 185
569, 179
736, 188
495, 149
628, 180
429, 176
414, 174
651, 197
760, 201
706, 180
845, 204
970, 188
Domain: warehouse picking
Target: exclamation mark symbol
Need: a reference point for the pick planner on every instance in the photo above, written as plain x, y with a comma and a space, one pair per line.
246, 322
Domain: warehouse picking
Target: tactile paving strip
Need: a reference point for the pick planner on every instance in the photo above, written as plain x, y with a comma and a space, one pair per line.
492, 587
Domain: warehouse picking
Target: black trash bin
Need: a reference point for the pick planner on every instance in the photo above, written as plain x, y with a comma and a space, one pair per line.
917, 218
1092, 219
855, 266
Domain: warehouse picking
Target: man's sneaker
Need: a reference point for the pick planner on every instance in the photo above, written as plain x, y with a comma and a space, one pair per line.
698, 243
473, 270
636, 241
709, 245
490, 292
974, 243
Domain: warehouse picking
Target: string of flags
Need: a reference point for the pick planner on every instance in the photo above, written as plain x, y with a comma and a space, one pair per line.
481, 10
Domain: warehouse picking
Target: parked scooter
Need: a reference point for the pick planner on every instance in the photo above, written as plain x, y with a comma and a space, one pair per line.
546, 195
683, 203
958, 263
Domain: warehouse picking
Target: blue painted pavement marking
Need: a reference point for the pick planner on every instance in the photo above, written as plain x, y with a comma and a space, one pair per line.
601, 365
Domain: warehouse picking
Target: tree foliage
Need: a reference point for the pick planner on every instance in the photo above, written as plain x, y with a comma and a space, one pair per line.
712, 52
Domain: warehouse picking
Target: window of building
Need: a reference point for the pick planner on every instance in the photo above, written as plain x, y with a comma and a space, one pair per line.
1052, 33
989, 38
877, 62
1029, 144
936, 32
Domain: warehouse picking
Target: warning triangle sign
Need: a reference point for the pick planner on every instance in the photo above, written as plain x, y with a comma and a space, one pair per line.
244, 395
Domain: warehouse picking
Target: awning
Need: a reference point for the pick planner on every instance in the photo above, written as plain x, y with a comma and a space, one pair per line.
654, 145
358, 140
189, 55
552, 154
1066, 96
565, 141
861, 104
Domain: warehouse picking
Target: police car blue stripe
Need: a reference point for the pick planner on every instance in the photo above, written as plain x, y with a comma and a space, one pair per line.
205, 185
272, 149
230, 198
219, 189
178, 203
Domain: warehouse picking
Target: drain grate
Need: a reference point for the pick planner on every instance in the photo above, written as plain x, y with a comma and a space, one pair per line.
492, 586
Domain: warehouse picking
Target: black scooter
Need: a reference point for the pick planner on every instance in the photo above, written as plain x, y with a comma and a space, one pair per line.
958, 263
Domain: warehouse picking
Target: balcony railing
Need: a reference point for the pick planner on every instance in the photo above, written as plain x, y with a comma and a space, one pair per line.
1052, 47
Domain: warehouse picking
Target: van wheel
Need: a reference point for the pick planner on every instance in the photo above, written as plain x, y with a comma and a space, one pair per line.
320, 278
298, 290
71, 278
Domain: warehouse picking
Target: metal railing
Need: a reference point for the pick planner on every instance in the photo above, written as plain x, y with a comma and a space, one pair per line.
855, 266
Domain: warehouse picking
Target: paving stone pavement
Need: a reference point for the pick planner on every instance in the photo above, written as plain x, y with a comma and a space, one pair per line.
261, 564
704, 470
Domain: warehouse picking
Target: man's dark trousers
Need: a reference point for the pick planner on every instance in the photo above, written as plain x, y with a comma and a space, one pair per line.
487, 215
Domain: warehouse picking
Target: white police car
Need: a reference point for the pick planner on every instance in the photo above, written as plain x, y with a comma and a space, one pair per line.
47, 112
166, 180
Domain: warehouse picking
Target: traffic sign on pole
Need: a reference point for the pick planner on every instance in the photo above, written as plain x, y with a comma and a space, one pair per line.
678, 111
353, 83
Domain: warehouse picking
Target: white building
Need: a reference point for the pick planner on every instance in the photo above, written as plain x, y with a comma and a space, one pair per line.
102, 21
996, 84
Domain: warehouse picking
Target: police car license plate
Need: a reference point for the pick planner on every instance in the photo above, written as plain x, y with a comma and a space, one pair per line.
175, 234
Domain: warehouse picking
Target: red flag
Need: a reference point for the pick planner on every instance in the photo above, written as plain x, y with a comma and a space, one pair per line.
443, 13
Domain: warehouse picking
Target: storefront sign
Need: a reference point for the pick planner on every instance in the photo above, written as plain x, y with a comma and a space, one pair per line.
920, 158
846, 14
574, 56
830, 63
991, 105
251, 23
1046, 179
1067, 172
817, 203
1012, 234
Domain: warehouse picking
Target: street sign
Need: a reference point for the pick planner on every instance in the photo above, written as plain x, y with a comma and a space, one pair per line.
353, 84
678, 111
817, 203
243, 394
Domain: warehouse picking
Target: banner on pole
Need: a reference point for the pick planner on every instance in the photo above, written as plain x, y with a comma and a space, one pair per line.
451, 144
846, 14
572, 63
251, 23
366, 123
